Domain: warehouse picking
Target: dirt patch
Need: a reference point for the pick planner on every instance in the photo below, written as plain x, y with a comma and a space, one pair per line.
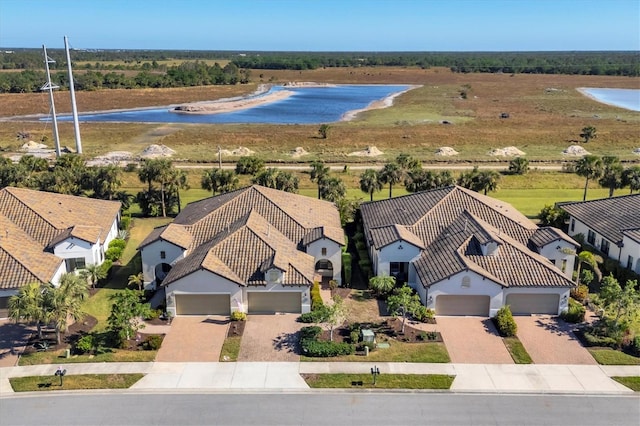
509, 151
446, 151
299, 152
390, 329
236, 328
157, 151
575, 151
370, 151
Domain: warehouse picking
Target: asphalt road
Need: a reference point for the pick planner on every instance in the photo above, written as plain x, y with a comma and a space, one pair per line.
339, 408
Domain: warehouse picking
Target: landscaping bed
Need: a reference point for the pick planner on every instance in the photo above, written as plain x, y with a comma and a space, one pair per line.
231, 346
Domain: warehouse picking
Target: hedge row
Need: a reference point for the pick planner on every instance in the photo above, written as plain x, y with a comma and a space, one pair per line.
312, 347
316, 298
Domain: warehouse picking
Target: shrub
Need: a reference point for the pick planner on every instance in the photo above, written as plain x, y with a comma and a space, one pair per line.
360, 245
635, 346
152, 343
580, 293
311, 332
314, 317
238, 316
346, 269
575, 313
424, 314
125, 222
131, 167
316, 298
354, 336
153, 314
113, 254
318, 349
106, 267
85, 344
333, 284
370, 345
505, 323
118, 243
592, 339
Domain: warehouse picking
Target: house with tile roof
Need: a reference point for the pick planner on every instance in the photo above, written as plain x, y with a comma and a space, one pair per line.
44, 235
255, 250
611, 225
469, 254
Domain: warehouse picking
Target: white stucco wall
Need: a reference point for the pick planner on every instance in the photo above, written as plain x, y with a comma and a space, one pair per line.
630, 248
72, 248
151, 257
563, 292
113, 231
62, 269
334, 255
393, 253
553, 252
205, 282
581, 228
479, 286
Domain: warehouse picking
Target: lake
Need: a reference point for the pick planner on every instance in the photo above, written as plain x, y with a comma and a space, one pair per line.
623, 98
307, 105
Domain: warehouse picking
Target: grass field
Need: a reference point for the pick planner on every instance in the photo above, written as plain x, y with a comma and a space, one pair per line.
542, 122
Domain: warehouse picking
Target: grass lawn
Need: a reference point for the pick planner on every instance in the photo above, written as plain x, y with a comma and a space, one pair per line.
397, 352
383, 381
517, 350
632, 382
75, 382
230, 349
607, 356
53, 357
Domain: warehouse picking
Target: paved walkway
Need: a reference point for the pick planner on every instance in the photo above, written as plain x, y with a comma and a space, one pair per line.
279, 376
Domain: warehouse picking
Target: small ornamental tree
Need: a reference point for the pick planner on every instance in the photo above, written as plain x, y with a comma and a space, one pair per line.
403, 302
336, 315
126, 313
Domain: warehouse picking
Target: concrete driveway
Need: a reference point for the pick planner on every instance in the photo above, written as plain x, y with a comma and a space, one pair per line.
13, 338
472, 340
270, 338
549, 340
194, 339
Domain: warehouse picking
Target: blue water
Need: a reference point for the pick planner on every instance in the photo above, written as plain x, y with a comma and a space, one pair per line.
623, 98
308, 105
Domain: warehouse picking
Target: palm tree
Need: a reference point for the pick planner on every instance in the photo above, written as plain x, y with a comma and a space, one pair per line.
391, 173
106, 182
178, 179
267, 177
66, 301
319, 172
382, 284
612, 174
94, 273
370, 182
28, 305
519, 166
631, 178
589, 167
287, 181
588, 133
137, 280
588, 258
487, 181
164, 177
407, 162
332, 189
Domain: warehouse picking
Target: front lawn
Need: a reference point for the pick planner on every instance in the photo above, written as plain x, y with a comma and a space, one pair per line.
74, 382
230, 349
115, 355
632, 382
383, 381
433, 352
517, 350
607, 356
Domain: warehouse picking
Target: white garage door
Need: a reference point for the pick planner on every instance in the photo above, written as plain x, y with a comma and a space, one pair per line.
527, 304
202, 304
268, 303
462, 305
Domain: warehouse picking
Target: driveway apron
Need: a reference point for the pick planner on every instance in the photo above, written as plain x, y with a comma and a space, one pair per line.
472, 340
549, 340
270, 338
194, 339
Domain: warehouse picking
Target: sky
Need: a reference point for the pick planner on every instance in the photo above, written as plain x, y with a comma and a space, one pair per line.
323, 25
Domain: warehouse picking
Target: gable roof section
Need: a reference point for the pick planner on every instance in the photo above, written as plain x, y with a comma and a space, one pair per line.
244, 252
633, 234
547, 235
22, 259
385, 235
607, 216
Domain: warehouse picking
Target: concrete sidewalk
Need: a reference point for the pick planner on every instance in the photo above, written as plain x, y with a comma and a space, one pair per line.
211, 376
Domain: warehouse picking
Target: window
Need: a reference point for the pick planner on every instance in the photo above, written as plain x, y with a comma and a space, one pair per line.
604, 246
75, 263
466, 282
591, 237
564, 265
573, 225
163, 255
323, 251
630, 263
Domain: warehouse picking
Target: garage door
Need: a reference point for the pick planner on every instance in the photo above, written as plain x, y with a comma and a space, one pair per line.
267, 303
462, 305
527, 304
4, 303
202, 304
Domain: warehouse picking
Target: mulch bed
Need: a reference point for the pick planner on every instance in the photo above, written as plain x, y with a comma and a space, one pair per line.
391, 328
236, 328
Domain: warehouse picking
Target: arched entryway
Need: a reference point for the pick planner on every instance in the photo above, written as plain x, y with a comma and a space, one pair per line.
161, 271
324, 267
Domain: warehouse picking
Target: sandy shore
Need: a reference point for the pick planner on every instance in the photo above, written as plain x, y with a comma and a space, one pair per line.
231, 105
383, 103
583, 92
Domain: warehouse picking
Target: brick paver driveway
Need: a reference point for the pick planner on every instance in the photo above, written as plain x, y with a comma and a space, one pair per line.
194, 339
472, 340
270, 338
549, 340
13, 338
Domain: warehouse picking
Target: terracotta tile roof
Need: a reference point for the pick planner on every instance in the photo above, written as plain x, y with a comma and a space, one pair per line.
634, 234
36, 221
607, 216
244, 252
22, 259
452, 224
546, 235
386, 235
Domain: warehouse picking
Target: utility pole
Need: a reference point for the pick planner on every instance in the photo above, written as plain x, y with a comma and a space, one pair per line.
49, 86
74, 109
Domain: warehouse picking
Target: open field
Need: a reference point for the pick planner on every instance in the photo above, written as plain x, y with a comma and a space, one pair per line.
547, 114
